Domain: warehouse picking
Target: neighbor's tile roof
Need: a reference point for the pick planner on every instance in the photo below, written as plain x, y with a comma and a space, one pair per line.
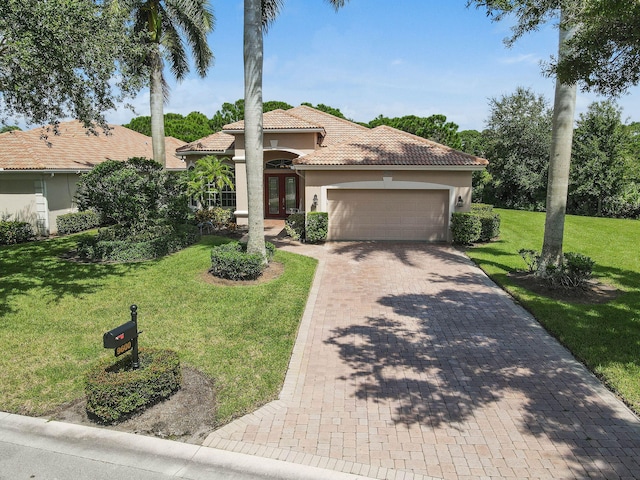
277, 120
218, 142
337, 130
388, 146
75, 149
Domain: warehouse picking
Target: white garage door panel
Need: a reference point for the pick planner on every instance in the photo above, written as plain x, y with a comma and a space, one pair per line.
388, 214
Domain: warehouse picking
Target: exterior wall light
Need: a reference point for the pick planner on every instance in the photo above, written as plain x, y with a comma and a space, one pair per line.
460, 202
315, 201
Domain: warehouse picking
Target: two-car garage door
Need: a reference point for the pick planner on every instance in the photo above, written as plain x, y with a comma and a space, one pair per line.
388, 214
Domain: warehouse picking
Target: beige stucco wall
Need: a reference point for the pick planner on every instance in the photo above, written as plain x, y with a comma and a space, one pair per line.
38, 198
299, 143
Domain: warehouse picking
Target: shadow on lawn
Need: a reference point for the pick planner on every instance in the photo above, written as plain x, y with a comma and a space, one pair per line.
473, 349
39, 265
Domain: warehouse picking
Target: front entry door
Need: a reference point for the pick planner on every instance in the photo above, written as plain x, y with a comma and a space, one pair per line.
281, 195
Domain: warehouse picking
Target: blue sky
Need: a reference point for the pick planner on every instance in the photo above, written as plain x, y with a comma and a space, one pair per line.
408, 57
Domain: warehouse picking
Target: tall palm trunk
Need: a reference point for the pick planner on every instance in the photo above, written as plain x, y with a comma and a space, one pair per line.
156, 94
559, 163
253, 57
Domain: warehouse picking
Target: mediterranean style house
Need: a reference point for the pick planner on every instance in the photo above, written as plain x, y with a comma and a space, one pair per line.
39, 169
375, 184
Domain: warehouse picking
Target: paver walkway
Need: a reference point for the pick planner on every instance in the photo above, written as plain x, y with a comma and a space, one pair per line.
411, 363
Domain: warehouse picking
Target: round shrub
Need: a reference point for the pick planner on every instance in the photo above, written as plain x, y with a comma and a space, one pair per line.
465, 228
489, 226
231, 261
115, 391
14, 231
317, 227
294, 225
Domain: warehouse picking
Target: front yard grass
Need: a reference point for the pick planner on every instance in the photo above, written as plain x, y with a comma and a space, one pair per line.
53, 313
606, 337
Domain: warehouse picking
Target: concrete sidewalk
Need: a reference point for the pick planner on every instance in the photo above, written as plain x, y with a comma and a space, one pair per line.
411, 363
34, 448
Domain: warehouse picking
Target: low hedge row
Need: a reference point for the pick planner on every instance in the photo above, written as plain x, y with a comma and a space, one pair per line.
145, 246
478, 225
115, 391
77, 222
312, 227
14, 231
231, 261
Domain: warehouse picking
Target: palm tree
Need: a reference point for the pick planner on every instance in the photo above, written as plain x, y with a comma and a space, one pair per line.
559, 161
258, 15
210, 175
165, 24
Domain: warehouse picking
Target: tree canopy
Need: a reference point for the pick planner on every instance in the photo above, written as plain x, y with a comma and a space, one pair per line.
434, 128
62, 59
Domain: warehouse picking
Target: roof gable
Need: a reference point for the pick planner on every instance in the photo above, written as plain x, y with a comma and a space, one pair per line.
218, 142
387, 146
277, 120
337, 130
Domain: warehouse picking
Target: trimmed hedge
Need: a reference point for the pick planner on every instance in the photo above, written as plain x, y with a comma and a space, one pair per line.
316, 227
147, 245
231, 261
114, 391
465, 227
77, 222
294, 226
220, 217
489, 226
14, 231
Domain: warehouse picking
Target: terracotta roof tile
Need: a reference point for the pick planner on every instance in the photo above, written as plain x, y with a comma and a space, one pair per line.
218, 142
277, 120
75, 149
337, 130
388, 146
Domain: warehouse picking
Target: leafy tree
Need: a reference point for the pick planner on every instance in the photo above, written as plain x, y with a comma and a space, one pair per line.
209, 177
474, 143
9, 128
275, 105
233, 112
61, 59
434, 128
518, 139
258, 14
599, 158
134, 194
164, 24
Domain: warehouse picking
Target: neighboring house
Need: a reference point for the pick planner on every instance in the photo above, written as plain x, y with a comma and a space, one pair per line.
375, 184
39, 169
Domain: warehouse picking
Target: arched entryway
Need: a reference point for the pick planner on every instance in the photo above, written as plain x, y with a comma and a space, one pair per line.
281, 188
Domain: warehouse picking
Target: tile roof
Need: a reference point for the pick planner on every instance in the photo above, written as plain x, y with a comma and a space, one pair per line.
277, 120
388, 146
75, 149
218, 142
337, 130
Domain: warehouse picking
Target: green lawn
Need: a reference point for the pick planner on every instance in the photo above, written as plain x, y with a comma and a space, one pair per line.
53, 313
605, 337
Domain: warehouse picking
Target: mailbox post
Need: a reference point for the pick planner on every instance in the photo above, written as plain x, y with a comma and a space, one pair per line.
125, 338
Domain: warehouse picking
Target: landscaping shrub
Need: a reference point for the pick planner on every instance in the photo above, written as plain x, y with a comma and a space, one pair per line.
220, 217
111, 245
531, 258
231, 261
481, 208
114, 391
575, 271
14, 231
316, 227
489, 226
294, 226
77, 222
465, 228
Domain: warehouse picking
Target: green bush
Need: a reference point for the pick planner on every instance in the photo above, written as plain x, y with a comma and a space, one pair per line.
489, 226
575, 271
220, 217
316, 227
231, 261
14, 231
294, 226
481, 208
111, 245
465, 228
77, 222
115, 391
531, 258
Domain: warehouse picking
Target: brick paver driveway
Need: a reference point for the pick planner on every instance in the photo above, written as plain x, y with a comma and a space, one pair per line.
411, 363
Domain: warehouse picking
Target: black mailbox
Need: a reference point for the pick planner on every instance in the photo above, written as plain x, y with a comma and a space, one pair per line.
120, 335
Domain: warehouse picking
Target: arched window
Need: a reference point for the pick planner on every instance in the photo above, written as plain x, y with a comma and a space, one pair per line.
279, 163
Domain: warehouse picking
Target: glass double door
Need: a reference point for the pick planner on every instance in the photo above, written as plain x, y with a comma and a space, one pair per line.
281, 195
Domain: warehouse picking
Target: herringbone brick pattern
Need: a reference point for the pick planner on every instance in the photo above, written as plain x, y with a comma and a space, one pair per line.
411, 363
